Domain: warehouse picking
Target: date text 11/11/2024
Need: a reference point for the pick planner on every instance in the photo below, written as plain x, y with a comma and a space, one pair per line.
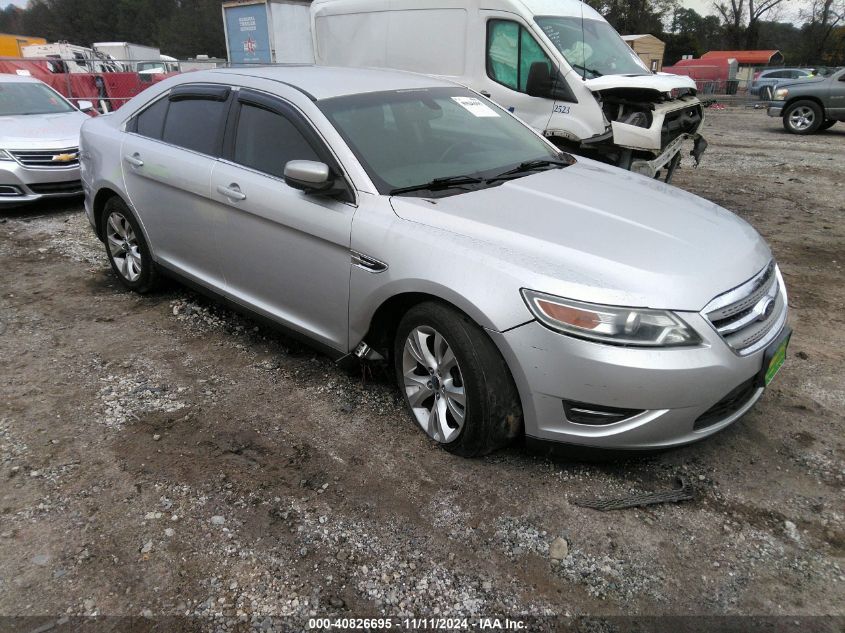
418, 624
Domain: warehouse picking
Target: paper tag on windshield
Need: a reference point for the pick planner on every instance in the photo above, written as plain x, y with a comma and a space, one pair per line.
475, 106
24, 73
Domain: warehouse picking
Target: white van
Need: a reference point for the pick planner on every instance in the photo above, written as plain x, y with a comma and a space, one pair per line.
557, 64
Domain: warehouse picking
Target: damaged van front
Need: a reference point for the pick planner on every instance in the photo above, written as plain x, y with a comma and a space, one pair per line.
608, 104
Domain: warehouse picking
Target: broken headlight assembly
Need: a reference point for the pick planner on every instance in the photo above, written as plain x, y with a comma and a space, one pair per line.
781, 94
615, 325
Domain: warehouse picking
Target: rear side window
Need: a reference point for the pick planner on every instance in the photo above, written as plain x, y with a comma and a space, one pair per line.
150, 122
266, 141
195, 124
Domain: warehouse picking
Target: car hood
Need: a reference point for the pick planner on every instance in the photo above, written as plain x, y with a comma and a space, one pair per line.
662, 82
597, 233
41, 131
801, 82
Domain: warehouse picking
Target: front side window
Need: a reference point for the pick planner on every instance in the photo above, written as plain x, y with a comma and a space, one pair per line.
511, 50
592, 47
266, 141
410, 137
194, 123
150, 122
17, 98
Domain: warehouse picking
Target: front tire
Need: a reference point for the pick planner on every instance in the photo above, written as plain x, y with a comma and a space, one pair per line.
802, 117
454, 381
128, 252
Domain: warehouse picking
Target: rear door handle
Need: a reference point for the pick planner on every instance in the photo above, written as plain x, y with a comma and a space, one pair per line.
233, 192
134, 160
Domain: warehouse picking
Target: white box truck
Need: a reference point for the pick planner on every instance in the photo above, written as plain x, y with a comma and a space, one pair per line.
556, 64
268, 31
129, 55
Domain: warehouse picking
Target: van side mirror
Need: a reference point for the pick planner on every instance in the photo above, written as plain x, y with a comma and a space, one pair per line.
539, 82
84, 106
310, 176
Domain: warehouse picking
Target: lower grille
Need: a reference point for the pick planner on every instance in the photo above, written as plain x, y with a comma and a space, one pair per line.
750, 316
71, 186
728, 405
47, 158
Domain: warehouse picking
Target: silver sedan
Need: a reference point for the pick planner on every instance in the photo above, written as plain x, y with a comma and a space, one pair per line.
514, 289
39, 141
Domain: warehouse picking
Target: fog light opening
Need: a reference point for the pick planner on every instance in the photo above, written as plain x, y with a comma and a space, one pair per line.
596, 415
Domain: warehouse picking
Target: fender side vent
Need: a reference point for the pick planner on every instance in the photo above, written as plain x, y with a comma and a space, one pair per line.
370, 264
594, 414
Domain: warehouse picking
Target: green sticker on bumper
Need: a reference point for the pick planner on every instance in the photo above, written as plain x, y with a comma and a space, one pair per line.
777, 362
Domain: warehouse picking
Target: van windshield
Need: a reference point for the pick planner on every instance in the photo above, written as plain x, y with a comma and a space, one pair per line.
592, 47
407, 138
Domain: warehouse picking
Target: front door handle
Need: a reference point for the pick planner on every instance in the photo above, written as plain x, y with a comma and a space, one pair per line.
134, 160
484, 93
233, 192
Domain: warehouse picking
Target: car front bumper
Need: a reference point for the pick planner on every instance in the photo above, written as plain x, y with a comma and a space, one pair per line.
673, 387
19, 184
775, 109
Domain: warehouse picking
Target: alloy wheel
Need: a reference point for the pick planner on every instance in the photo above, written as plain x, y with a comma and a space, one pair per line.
434, 385
123, 246
801, 118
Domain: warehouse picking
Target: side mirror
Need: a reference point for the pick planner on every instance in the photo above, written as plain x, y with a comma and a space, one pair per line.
309, 176
539, 82
84, 106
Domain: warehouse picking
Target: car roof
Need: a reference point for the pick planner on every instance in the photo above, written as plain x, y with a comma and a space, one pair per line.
14, 79
775, 70
326, 82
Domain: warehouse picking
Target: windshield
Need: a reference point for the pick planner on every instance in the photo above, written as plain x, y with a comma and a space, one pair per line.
30, 98
592, 47
406, 138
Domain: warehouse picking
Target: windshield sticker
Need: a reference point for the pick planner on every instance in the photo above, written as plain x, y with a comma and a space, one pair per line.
475, 106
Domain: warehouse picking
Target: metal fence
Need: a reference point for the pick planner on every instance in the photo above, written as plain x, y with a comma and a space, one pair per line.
109, 83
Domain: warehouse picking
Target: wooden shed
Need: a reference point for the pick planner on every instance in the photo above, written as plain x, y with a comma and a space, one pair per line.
649, 49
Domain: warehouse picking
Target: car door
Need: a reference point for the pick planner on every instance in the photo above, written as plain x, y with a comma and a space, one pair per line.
168, 156
836, 97
510, 49
284, 253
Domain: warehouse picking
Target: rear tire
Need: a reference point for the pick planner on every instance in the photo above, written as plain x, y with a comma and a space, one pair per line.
454, 381
127, 250
802, 117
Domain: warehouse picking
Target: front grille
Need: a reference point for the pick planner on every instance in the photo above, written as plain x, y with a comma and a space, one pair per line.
750, 316
71, 186
47, 158
728, 405
683, 121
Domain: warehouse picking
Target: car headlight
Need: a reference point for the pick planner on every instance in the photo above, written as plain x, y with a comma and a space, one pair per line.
781, 94
610, 324
4, 155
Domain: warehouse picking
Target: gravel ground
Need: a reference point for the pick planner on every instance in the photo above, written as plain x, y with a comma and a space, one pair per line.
162, 456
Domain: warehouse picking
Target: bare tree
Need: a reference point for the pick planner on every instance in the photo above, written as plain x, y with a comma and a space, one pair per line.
742, 20
821, 19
